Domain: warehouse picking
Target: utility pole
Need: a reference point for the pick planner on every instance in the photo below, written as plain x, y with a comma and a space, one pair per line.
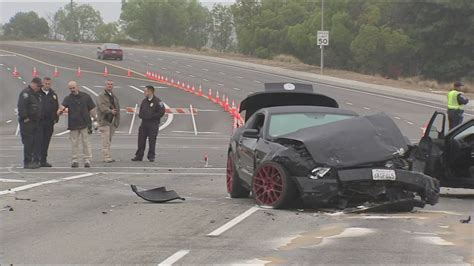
74, 26
322, 28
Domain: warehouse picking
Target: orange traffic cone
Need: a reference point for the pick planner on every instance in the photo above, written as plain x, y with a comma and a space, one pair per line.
78, 72
193, 90
106, 71
217, 99
56, 72
129, 73
15, 73
209, 94
35, 72
200, 91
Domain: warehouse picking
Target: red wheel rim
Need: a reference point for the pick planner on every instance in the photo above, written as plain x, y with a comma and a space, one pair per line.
268, 185
230, 174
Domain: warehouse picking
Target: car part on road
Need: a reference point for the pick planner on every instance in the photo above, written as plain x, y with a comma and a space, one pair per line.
466, 221
157, 195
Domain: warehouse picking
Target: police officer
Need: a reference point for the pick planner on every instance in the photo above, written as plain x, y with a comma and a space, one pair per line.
151, 111
49, 117
456, 101
29, 114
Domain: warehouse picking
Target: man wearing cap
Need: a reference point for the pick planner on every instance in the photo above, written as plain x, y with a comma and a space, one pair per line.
151, 111
456, 102
29, 114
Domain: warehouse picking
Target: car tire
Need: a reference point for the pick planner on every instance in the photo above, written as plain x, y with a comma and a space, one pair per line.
233, 182
272, 187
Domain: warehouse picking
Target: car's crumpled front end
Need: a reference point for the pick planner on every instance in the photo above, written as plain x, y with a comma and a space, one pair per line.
354, 162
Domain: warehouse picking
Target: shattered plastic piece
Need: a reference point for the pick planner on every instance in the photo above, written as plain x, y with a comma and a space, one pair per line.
157, 195
465, 221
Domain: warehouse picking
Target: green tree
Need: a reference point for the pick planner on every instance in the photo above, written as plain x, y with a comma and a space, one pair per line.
78, 22
26, 25
221, 27
107, 32
167, 22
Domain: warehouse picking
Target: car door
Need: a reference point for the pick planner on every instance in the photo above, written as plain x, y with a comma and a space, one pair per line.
459, 156
246, 147
429, 155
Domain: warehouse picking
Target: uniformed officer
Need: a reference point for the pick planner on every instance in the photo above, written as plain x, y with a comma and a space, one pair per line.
151, 111
456, 101
29, 114
49, 117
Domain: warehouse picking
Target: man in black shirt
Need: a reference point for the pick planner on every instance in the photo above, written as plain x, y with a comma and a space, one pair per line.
49, 117
151, 111
80, 109
29, 113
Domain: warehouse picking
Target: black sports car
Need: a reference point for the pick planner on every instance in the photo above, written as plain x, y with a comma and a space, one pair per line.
298, 145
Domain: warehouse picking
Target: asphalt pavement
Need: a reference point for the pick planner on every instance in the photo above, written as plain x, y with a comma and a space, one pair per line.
63, 215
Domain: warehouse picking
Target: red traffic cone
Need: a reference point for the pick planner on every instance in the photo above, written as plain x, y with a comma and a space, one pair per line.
35, 72
148, 74
209, 95
221, 103
217, 99
106, 71
200, 91
15, 73
188, 88
78, 72
193, 90
56, 72
226, 104
232, 109
172, 81
129, 73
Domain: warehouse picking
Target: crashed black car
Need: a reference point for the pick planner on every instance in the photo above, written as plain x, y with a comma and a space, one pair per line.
297, 145
447, 156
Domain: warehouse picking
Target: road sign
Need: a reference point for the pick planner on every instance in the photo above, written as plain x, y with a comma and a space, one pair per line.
323, 38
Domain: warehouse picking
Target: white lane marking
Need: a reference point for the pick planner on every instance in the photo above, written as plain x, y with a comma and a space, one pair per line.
135, 88
62, 133
220, 84
164, 68
410, 123
222, 73
8, 121
192, 76
233, 222
366, 108
174, 258
434, 240
257, 81
239, 77
169, 117
150, 64
5, 55
348, 103
205, 79
396, 117
193, 119
189, 65
159, 59
6, 180
52, 181
200, 132
205, 69
177, 72
91, 91
237, 89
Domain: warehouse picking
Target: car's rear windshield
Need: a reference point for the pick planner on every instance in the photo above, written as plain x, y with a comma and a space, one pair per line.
112, 46
281, 124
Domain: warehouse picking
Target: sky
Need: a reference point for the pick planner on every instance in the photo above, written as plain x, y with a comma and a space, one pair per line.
109, 9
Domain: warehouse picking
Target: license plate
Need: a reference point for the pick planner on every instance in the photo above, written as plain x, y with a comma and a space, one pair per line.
383, 174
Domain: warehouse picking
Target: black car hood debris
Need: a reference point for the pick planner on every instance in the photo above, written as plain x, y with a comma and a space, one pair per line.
352, 142
157, 195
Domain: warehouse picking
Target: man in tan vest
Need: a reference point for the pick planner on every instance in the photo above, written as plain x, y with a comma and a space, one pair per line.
108, 115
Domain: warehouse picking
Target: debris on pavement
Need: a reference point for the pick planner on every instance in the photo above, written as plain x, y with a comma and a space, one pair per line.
8, 208
465, 221
157, 195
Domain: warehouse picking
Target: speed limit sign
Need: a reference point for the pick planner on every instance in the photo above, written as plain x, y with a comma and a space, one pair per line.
323, 38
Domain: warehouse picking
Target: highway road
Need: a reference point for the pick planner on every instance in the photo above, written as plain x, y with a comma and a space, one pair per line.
64, 215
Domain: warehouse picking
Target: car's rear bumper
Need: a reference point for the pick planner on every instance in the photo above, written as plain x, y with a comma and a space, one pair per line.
324, 191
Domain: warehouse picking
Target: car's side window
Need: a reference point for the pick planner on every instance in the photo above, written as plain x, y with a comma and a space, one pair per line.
256, 122
466, 132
